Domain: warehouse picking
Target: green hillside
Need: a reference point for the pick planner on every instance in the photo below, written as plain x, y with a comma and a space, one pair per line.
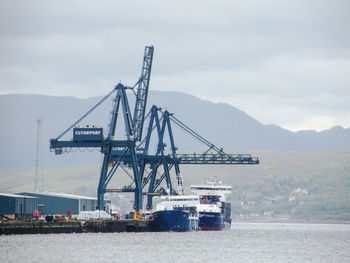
286, 185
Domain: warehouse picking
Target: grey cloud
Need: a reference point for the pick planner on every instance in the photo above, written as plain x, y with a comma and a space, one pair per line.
293, 54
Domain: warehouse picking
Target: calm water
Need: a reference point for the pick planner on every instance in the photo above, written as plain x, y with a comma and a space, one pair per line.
244, 243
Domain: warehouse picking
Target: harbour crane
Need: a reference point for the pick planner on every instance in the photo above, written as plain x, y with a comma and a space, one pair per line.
93, 137
134, 152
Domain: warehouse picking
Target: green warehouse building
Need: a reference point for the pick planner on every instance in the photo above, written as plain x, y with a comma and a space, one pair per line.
58, 203
22, 206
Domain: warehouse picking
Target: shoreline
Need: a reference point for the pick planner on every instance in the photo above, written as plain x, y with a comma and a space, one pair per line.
291, 221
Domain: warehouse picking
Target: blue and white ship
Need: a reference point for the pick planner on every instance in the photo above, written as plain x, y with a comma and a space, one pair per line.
214, 211
175, 213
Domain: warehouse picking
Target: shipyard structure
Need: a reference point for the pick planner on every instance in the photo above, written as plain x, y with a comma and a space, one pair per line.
142, 147
145, 150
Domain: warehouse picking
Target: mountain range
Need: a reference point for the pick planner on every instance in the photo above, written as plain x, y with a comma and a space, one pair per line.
221, 124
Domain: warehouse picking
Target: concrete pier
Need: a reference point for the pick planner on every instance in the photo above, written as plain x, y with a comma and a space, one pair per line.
115, 226
76, 226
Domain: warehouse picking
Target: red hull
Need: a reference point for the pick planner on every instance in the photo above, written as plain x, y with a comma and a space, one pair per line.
203, 228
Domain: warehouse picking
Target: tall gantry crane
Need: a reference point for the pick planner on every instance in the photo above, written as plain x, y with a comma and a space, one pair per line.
134, 151
93, 137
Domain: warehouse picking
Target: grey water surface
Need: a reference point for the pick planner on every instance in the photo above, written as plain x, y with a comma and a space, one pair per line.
245, 242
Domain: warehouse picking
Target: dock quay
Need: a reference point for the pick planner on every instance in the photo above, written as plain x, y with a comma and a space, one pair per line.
126, 225
76, 226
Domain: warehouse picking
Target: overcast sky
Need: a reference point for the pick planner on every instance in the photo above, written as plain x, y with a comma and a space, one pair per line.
282, 62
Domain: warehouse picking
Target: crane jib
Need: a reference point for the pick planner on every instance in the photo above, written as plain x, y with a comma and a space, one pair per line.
142, 93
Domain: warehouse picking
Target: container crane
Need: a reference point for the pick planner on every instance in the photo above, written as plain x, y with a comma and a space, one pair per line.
93, 137
134, 151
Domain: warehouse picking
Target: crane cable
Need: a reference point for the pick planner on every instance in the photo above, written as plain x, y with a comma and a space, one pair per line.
87, 113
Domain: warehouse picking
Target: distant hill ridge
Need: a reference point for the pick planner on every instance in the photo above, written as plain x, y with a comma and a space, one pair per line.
222, 124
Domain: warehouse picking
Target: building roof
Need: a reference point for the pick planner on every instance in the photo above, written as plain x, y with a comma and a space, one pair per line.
73, 196
79, 197
16, 195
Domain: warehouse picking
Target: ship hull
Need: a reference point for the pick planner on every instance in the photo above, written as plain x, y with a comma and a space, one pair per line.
211, 221
170, 220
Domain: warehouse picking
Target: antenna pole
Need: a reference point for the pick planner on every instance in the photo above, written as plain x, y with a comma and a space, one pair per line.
39, 122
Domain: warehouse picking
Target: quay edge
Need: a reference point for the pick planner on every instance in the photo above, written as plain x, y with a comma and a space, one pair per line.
79, 226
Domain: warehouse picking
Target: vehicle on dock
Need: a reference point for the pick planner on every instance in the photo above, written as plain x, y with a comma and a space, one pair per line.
214, 212
98, 214
175, 213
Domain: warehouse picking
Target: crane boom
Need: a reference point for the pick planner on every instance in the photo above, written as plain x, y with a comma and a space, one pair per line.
142, 92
